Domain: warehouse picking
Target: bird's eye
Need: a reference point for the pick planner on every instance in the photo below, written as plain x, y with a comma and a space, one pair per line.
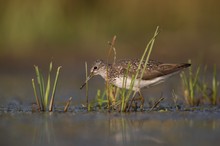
95, 67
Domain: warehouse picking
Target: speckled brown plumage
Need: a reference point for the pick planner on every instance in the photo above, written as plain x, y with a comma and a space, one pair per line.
153, 69
155, 72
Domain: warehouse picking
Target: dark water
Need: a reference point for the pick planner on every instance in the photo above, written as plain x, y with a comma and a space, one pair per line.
103, 128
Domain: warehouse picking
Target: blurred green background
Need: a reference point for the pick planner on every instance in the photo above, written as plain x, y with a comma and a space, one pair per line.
75, 30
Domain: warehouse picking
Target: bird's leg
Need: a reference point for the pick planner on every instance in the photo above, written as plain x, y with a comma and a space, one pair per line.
142, 100
132, 99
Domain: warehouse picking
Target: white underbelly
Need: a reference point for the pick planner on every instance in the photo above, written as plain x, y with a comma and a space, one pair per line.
137, 85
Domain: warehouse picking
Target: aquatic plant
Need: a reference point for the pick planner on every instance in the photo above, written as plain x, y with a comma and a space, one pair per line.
190, 83
197, 89
45, 91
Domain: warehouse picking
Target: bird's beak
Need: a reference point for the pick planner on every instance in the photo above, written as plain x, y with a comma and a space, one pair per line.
88, 78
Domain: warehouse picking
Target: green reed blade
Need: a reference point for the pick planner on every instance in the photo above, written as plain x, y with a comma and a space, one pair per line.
46, 97
184, 80
150, 46
124, 84
98, 97
131, 86
54, 89
196, 78
214, 86
147, 51
40, 82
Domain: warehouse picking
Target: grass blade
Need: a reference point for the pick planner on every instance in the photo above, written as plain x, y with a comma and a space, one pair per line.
46, 97
40, 82
35, 94
214, 86
54, 89
149, 46
124, 84
87, 89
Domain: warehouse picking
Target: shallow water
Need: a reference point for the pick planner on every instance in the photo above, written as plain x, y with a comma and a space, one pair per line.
103, 128
20, 126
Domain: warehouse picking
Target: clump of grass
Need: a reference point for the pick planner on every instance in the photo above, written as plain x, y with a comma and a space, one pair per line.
190, 85
42, 98
197, 89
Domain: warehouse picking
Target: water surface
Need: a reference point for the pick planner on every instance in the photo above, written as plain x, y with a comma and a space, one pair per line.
103, 128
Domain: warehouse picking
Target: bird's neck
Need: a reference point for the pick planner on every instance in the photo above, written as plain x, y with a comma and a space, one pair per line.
106, 72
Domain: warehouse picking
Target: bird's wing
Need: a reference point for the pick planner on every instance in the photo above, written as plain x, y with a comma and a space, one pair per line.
162, 70
153, 69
